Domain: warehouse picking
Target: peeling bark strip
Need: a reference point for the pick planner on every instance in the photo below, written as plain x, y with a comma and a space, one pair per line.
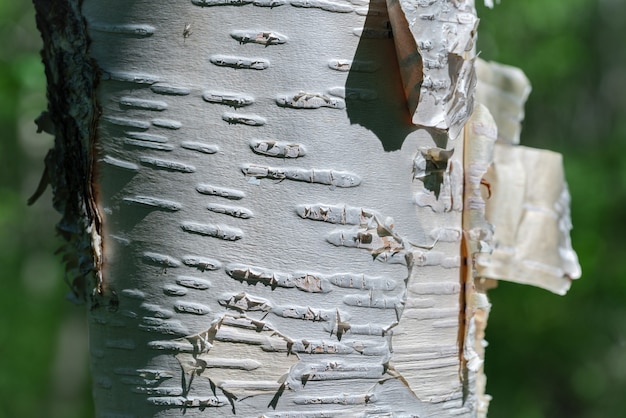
435, 41
516, 211
72, 78
517, 204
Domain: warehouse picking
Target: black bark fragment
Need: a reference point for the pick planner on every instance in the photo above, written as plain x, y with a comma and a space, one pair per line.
72, 79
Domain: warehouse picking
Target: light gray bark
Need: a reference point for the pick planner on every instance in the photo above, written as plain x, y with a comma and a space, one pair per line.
261, 222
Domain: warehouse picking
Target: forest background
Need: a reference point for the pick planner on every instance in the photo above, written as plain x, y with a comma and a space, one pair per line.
548, 356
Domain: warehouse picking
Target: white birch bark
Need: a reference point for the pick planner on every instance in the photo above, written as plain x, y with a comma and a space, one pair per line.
275, 230
267, 228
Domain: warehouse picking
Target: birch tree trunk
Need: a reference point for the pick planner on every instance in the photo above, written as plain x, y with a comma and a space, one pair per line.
263, 202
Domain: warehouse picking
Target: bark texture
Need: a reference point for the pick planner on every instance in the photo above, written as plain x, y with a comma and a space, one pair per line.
268, 195
72, 116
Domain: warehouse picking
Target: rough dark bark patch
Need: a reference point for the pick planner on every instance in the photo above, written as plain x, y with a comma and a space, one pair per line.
72, 77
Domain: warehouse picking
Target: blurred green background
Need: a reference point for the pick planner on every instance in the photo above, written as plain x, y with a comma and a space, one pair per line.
549, 356
43, 338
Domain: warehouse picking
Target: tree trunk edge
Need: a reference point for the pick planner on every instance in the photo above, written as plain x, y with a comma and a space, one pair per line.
72, 79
